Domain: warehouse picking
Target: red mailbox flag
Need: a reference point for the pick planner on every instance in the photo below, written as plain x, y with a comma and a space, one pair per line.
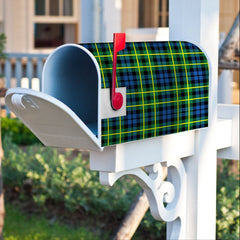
118, 45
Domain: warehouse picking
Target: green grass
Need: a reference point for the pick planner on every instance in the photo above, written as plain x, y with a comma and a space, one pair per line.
21, 227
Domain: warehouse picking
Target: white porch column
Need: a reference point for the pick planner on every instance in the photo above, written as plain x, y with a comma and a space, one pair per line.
197, 21
86, 29
111, 19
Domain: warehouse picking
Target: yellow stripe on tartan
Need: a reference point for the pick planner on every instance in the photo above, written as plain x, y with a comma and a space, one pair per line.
120, 137
104, 84
175, 76
158, 66
149, 129
150, 54
187, 84
173, 101
101, 68
140, 76
154, 98
167, 90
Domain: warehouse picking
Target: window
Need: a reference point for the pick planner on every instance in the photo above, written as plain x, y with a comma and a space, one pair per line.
67, 8
39, 7
55, 23
153, 13
54, 7
48, 35
163, 13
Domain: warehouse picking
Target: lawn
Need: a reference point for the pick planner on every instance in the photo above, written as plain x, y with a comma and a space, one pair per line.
21, 227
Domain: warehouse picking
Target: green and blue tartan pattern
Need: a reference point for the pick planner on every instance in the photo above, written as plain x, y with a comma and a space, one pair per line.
167, 89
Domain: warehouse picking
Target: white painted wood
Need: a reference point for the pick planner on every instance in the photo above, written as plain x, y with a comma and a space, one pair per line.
198, 22
141, 153
229, 111
147, 34
225, 87
172, 192
97, 21
86, 22
224, 133
54, 123
111, 19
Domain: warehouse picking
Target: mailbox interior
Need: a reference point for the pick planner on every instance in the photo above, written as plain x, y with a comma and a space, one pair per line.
71, 74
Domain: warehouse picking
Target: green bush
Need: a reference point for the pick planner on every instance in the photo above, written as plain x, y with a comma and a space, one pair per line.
19, 133
54, 177
2, 45
228, 200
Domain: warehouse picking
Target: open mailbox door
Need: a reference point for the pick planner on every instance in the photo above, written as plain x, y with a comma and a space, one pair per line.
54, 123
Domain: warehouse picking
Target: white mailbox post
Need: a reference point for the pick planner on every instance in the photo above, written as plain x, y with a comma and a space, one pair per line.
198, 21
190, 156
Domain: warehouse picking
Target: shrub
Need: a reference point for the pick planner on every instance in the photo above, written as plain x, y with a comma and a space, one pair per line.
2, 45
19, 133
228, 199
54, 177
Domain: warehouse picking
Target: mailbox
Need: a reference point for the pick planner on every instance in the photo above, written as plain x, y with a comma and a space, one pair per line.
163, 88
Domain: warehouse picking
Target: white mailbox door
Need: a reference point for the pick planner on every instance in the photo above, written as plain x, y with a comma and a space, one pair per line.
54, 123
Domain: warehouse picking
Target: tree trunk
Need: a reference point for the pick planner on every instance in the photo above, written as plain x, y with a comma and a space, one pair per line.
229, 65
227, 50
134, 215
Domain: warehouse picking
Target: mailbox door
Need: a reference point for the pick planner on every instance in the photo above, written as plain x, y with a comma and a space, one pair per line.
54, 123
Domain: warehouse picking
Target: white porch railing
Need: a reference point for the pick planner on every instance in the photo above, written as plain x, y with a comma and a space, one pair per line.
22, 70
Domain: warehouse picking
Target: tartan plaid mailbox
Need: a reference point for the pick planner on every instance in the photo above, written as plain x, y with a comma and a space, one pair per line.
164, 89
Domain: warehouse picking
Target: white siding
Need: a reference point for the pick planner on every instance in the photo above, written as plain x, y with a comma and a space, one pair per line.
16, 25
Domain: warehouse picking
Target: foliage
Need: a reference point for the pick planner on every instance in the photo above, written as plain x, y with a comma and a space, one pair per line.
20, 227
65, 179
156, 228
54, 177
19, 133
228, 200
2, 45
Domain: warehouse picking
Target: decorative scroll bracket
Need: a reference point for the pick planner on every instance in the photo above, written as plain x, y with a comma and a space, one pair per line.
167, 199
